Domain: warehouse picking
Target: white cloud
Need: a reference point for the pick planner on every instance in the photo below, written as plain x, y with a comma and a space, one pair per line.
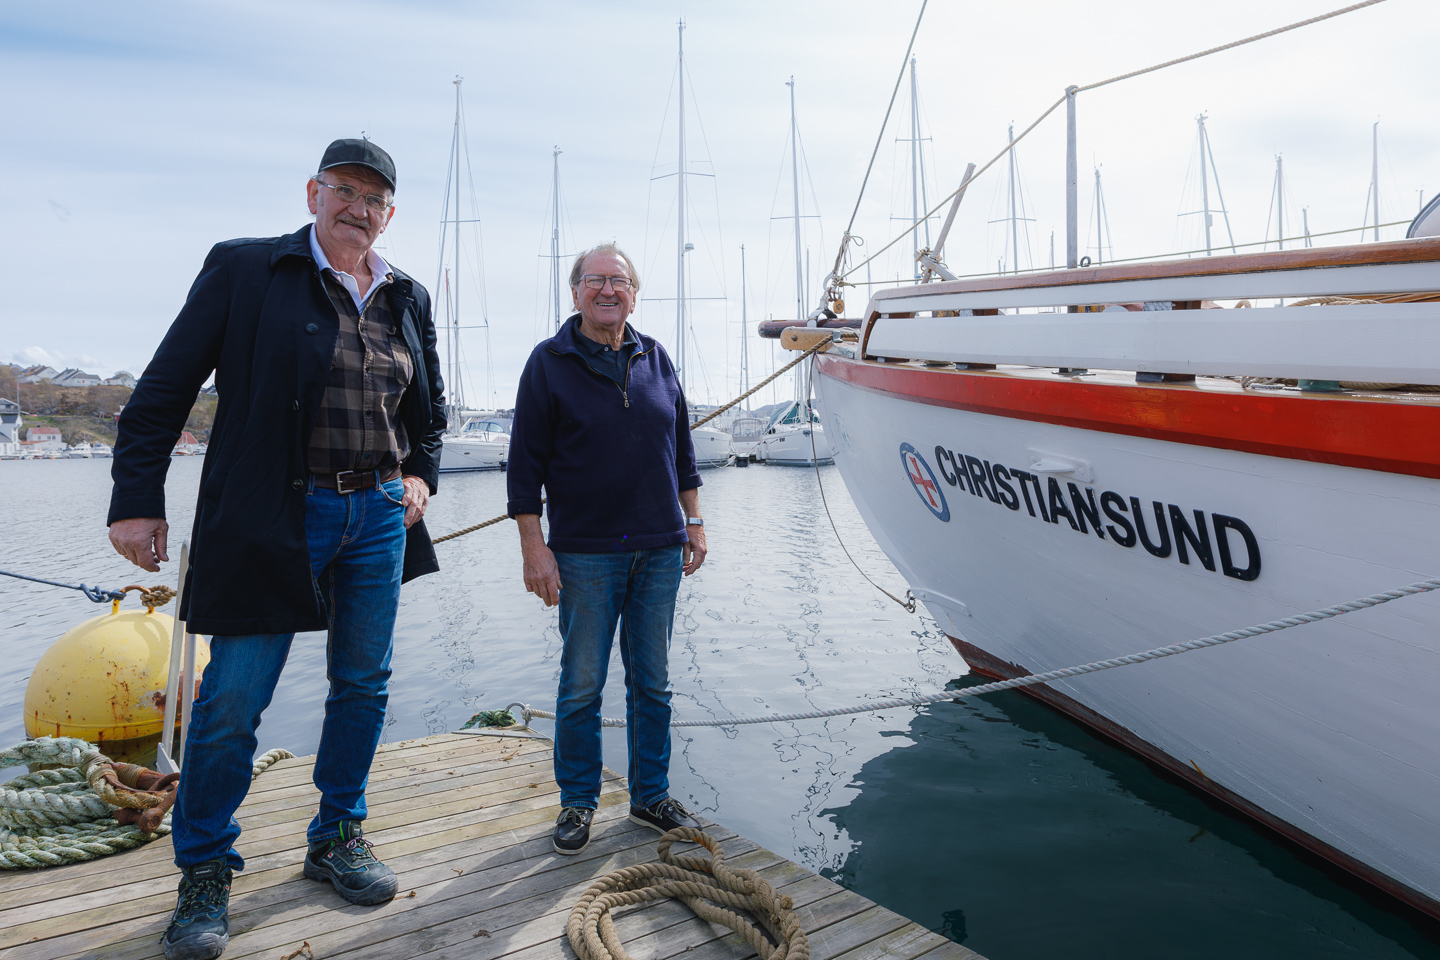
32, 356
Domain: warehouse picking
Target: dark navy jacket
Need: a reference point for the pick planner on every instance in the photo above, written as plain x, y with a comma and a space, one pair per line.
612, 458
259, 317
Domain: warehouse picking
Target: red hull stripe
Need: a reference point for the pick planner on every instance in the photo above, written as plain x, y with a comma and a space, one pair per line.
1386, 435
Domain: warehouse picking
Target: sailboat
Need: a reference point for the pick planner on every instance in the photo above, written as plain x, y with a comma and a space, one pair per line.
712, 447
474, 444
794, 434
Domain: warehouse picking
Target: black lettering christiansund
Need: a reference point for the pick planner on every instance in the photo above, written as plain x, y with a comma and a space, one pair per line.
1110, 501
1082, 510
1252, 547
1057, 505
940, 460
1163, 550
963, 477
979, 478
1023, 476
1001, 476
1199, 538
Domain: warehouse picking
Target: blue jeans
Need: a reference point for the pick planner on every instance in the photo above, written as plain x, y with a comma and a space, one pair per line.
357, 545
636, 589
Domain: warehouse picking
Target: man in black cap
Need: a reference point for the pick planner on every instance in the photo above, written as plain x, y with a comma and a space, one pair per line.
323, 455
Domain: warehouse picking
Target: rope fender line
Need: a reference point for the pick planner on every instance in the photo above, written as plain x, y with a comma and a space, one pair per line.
698, 423
89, 808
1034, 679
713, 890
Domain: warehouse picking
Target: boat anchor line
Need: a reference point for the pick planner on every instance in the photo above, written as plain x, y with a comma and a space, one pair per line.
1274, 626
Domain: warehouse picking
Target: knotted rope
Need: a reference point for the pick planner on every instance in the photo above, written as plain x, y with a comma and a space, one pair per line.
152, 597
91, 807
707, 886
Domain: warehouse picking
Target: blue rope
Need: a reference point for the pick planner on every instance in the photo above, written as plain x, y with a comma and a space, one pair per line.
96, 594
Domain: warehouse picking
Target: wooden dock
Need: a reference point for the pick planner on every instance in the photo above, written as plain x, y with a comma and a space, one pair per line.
465, 822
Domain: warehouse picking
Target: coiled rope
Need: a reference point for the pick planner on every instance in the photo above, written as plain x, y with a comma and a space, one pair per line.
1274, 626
706, 885
698, 423
57, 816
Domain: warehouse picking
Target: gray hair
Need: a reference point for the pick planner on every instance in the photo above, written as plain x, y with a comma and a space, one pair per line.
577, 270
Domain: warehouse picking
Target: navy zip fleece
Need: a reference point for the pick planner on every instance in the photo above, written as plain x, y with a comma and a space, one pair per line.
612, 458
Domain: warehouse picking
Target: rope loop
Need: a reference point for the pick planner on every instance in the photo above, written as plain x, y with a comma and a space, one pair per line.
707, 885
152, 597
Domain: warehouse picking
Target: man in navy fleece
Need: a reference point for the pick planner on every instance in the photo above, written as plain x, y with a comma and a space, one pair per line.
601, 425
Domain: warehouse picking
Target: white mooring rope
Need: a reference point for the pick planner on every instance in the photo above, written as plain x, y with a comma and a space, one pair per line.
1274, 626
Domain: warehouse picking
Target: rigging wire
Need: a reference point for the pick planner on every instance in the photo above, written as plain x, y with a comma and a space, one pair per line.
1052, 108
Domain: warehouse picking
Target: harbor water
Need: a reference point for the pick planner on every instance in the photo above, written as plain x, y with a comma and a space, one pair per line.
996, 822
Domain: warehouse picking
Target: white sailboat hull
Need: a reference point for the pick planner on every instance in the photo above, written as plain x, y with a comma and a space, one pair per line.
712, 447
796, 446
1327, 731
462, 453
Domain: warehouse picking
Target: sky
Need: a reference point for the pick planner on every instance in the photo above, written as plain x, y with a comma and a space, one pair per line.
135, 136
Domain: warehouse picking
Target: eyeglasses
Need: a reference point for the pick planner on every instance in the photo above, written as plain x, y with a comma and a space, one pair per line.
594, 282
350, 195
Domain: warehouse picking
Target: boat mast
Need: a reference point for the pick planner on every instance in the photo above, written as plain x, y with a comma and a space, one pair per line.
555, 245
1375, 174
1099, 220
1280, 200
680, 224
1014, 219
457, 396
795, 194
919, 202
744, 329
1204, 185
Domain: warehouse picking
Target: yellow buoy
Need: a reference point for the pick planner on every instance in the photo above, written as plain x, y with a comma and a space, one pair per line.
104, 680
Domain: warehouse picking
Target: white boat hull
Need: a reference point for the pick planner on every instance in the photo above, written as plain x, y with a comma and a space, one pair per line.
1327, 731
712, 447
795, 446
461, 453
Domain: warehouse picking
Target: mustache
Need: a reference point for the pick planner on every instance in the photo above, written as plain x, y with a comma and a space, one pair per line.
346, 218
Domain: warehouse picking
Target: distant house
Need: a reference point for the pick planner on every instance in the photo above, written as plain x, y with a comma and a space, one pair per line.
122, 378
38, 373
10, 424
73, 377
42, 438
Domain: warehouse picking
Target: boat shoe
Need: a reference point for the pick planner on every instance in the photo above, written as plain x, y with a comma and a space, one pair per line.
663, 815
572, 830
200, 926
346, 861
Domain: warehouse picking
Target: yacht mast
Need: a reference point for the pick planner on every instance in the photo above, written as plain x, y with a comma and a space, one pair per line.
1014, 219
744, 329
555, 246
1099, 220
1204, 186
680, 224
457, 394
1280, 200
1375, 174
795, 193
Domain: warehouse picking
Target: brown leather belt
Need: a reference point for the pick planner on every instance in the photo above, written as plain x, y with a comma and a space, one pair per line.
349, 481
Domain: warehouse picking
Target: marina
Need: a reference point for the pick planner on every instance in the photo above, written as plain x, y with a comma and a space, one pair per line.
1083, 610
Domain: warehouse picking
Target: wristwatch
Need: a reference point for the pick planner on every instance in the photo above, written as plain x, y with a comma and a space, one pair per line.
694, 521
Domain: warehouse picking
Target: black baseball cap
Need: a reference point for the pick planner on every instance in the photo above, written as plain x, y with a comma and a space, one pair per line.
360, 153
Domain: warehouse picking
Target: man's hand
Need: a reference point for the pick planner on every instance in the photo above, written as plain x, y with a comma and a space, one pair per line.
141, 540
417, 498
542, 576
694, 549
694, 554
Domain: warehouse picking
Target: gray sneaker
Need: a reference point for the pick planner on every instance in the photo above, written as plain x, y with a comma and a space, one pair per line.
346, 861
200, 927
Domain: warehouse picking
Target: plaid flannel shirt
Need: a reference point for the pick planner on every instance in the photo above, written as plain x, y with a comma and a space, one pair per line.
359, 427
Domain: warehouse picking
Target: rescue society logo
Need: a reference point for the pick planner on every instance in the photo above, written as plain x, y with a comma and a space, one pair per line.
922, 478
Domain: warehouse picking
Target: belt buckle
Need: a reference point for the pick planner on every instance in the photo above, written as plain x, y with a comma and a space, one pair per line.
364, 480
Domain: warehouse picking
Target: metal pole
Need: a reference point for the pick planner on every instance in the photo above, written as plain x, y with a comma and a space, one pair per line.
744, 329
167, 760
1099, 227
919, 151
680, 224
456, 395
1305, 221
1072, 184
795, 193
1014, 223
555, 244
1280, 200
1375, 173
1204, 185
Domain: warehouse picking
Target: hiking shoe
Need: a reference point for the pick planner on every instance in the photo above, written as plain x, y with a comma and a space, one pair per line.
572, 830
200, 926
664, 815
346, 861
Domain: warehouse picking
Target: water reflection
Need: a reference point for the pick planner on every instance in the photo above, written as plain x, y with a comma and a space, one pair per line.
1023, 835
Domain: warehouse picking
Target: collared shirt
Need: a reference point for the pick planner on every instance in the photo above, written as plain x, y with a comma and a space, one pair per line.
607, 359
358, 426
380, 273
